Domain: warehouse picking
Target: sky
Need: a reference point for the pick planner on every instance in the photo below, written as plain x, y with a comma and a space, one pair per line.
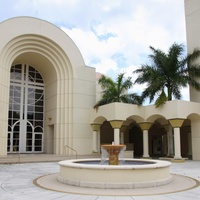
113, 36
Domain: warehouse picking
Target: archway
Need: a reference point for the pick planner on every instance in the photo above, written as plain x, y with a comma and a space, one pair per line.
134, 139
106, 133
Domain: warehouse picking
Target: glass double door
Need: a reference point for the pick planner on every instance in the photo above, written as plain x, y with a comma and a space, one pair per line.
26, 110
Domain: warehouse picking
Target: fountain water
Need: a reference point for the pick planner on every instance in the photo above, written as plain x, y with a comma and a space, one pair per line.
137, 173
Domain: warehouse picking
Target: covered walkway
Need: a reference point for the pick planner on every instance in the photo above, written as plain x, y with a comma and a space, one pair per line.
170, 130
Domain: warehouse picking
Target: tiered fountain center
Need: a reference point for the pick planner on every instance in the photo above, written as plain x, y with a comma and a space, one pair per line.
113, 152
135, 173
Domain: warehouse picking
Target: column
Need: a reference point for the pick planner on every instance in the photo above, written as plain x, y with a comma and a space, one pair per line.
177, 143
176, 124
95, 128
145, 126
123, 129
116, 125
164, 142
170, 142
116, 136
189, 144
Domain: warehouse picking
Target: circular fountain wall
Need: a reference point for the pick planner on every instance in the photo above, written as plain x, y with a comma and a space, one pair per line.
137, 173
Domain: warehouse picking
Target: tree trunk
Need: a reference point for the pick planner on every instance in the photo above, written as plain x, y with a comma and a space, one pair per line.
169, 97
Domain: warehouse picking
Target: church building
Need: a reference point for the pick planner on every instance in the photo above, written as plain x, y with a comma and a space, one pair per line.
48, 94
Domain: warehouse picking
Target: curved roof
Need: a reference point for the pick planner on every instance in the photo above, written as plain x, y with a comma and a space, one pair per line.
28, 33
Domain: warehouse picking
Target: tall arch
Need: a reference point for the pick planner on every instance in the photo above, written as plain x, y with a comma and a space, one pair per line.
49, 50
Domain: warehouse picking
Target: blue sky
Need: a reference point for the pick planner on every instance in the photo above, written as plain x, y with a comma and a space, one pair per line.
113, 35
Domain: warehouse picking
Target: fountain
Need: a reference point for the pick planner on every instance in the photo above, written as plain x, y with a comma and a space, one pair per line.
135, 173
113, 152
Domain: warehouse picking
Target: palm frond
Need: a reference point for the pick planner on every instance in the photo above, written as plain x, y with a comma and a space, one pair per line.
162, 98
168, 72
115, 91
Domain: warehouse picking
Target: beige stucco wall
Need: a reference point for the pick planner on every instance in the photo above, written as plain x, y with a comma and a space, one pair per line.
192, 16
195, 124
121, 111
69, 84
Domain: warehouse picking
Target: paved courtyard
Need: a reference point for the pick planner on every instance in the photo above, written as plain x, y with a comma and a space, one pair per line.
16, 182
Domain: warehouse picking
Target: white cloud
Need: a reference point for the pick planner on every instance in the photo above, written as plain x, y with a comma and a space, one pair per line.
129, 73
96, 53
185, 93
133, 31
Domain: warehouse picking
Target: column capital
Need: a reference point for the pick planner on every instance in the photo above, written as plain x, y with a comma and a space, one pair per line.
116, 123
95, 127
176, 123
145, 125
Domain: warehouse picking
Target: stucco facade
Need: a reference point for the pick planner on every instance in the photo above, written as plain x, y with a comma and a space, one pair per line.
192, 15
48, 94
69, 85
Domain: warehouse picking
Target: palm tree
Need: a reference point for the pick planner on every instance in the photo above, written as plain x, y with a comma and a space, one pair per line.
168, 73
116, 91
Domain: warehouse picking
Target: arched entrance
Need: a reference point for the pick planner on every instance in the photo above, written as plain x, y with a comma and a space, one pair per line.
106, 133
26, 110
135, 139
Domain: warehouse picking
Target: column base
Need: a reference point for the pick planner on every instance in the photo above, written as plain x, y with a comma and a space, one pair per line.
145, 157
179, 160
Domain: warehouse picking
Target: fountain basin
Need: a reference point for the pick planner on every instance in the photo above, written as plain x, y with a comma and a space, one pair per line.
150, 173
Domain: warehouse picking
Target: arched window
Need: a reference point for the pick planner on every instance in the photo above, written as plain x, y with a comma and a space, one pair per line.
26, 110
